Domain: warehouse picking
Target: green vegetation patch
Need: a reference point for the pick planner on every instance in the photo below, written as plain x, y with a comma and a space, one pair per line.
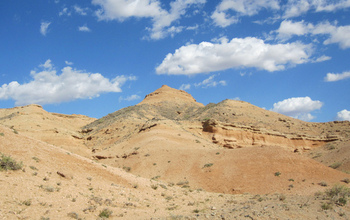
7, 163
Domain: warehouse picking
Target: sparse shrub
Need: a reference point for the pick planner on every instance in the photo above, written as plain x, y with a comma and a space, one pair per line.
182, 183
73, 215
277, 174
105, 213
154, 187
127, 169
323, 183
317, 155
27, 202
163, 186
47, 188
330, 147
155, 178
36, 159
208, 165
326, 206
1, 134
7, 163
169, 198
33, 168
338, 194
335, 165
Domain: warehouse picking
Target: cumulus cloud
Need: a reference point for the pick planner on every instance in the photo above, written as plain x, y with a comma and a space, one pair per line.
44, 26
289, 28
210, 82
332, 77
337, 34
299, 107
343, 115
296, 8
222, 17
48, 87
84, 28
237, 53
161, 18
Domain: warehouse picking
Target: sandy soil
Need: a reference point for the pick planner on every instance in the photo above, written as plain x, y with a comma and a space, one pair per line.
170, 157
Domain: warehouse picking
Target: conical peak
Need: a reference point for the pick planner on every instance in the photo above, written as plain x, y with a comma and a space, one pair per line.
166, 93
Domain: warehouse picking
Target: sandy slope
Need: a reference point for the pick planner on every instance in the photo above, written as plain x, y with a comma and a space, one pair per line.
87, 188
171, 157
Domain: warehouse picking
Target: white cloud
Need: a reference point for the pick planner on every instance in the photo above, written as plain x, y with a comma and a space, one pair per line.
289, 28
299, 107
337, 34
185, 87
221, 16
129, 98
47, 87
237, 53
161, 18
68, 63
210, 82
84, 28
64, 12
343, 115
322, 6
295, 8
321, 59
44, 27
332, 77
79, 10
222, 19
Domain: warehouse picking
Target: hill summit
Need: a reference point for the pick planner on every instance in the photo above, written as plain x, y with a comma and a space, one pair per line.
168, 94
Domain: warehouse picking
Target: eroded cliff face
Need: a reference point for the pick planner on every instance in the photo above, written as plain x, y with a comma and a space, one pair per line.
233, 136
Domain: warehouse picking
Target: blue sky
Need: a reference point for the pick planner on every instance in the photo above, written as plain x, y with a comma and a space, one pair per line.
98, 56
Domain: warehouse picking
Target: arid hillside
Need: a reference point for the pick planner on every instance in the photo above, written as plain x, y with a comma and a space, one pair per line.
170, 156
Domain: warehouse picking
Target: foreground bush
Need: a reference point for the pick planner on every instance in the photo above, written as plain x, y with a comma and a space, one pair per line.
7, 163
338, 194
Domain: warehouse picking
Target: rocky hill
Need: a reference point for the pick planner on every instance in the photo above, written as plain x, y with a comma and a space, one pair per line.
172, 156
